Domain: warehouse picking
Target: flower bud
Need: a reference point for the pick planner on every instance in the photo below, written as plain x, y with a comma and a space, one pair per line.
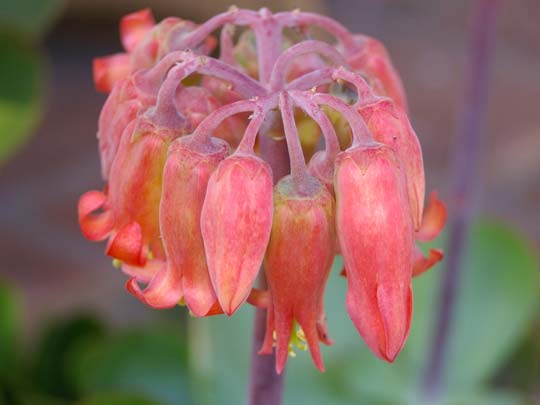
135, 190
375, 232
185, 177
110, 69
121, 107
372, 59
297, 263
389, 125
134, 27
236, 220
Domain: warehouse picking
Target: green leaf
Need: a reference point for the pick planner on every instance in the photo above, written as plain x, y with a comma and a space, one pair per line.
49, 371
118, 399
21, 98
29, 17
497, 300
9, 330
150, 363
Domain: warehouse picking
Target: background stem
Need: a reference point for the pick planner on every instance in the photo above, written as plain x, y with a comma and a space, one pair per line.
265, 385
465, 183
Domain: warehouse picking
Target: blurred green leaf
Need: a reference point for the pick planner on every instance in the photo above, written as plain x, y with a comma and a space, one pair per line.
522, 369
118, 399
28, 17
151, 363
21, 88
9, 330
496, 302
50, 372
497, 299
26, 398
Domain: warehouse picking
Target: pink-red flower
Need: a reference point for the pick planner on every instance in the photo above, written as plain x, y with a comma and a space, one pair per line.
297, 281
278, 153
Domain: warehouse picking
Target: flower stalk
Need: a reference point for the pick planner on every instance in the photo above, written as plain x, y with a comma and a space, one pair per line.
465, 181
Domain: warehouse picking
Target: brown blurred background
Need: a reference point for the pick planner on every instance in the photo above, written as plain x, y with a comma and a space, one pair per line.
41, 248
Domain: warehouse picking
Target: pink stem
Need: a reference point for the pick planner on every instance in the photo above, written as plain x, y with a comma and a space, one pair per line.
312, 79
242, 83
296, 156
265, 385
297, 18
226, 45
360, 132
205, 129
165, 112
365, 92
470, 144
196, 37
268, 33
279, 72
257, 118
314, 111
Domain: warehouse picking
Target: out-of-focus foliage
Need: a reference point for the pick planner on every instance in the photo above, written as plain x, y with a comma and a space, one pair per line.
207, 361
9, 330
119, 399
49, 368
21, 98
28, 18
150, 363
497, 300
22, 24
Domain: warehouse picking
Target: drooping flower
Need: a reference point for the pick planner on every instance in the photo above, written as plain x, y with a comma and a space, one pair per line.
297, 281
372, 60
185, 177
236, 221
389, 125
375, 231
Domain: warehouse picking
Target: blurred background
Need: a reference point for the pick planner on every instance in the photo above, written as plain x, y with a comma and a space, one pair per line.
70, 332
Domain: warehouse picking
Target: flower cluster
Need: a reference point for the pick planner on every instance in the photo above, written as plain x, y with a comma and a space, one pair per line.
197, 199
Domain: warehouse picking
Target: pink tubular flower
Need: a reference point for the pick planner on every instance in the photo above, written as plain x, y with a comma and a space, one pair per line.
267, 158
389, 125
372, 60
297, 281
185, 177
375, 232
236, 221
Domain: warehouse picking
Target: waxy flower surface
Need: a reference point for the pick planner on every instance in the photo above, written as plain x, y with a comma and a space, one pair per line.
262, 152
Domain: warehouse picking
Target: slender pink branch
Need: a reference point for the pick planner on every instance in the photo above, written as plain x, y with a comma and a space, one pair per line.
196, 37
226, 45
257, 118
360, 133
241, 82
297, 18
216, 117
165, 112
314, 111
312, 79
279, 72
365, 92
296, 156
268, 32
466, 178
